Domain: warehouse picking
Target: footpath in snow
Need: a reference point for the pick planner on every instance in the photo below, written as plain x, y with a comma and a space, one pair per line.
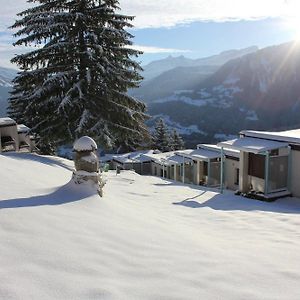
147, 238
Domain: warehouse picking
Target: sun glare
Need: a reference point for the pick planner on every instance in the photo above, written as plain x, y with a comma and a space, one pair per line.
292, 17
293, 25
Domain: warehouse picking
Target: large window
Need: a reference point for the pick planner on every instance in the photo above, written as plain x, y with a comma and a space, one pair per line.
256, 166
278, 175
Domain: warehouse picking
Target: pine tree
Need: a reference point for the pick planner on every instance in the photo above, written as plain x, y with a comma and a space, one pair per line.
176, 141
75, 82
161, 137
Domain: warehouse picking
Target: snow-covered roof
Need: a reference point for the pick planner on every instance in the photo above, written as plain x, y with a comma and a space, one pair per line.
22, 128
176, 160
252, 145
289, 136
7, 121
213, 147
85, 143
134, 157
168, 158
199, 154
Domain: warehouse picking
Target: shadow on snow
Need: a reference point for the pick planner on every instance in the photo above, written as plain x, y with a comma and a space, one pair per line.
230, 202
47, 160
68, 193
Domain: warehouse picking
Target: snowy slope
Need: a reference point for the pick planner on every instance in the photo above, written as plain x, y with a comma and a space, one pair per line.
146, 239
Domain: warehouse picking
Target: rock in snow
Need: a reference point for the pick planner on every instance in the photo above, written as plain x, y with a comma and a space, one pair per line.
147, 238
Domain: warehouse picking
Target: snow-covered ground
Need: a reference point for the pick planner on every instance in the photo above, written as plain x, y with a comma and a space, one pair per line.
146, 239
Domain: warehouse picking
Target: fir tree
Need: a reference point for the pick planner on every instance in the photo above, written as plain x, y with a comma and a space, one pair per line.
75, 82
177, 142
161, 137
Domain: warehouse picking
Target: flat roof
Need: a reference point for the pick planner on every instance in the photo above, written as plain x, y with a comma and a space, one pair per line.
213, 147
252, 145
168, 158
133, 157
176, 160
199, 154
289, 136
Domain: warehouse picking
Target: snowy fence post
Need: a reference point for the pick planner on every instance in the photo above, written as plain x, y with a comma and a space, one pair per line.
87, 163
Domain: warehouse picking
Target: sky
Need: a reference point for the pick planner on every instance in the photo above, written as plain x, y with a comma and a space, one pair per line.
193, 28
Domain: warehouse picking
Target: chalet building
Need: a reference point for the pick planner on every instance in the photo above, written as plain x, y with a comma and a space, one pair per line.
201, 166
171, 166
269, 163
138, 161
231, 165
204, 168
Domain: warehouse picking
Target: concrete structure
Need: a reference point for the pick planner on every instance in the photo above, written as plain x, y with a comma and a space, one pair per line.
8, 135
269, 162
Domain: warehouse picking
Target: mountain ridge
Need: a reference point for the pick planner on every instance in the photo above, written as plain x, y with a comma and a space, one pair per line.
157, 67
259, 90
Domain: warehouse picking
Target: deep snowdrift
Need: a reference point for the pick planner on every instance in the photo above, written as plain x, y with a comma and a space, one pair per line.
146, 239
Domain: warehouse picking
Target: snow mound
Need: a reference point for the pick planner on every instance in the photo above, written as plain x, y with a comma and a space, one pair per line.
85, 143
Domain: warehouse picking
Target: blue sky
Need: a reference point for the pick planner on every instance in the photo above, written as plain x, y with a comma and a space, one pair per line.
200, 39
193, 28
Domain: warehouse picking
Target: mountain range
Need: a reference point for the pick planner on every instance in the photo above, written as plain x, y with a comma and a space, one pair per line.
163, 77
155, 68
258, 90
